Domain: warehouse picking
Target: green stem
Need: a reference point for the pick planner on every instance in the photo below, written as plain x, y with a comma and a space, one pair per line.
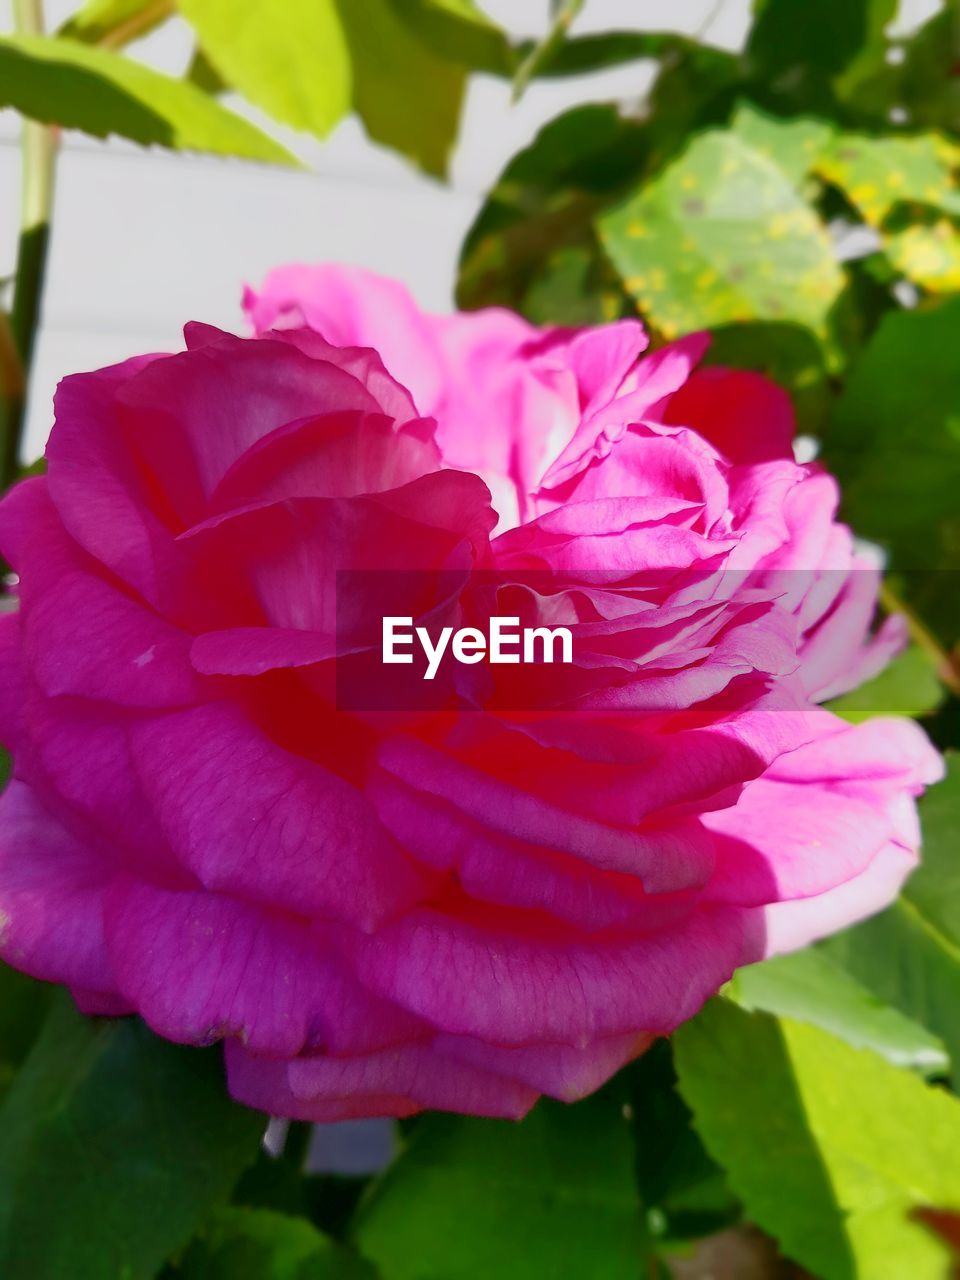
39, 150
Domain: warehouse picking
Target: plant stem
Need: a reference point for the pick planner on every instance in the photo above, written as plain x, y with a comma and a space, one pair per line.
39, 150
138, 24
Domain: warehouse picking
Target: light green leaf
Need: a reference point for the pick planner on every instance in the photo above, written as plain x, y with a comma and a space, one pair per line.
829, 1147
812, 987
909, 956
794, 145
261, 1244
907, 687
114, 1145
894, 444
407, 96
79, 87
290, 59
552, 1196
114, 23
722, 235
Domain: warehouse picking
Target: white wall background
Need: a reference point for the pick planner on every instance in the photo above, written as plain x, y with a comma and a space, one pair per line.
144, 240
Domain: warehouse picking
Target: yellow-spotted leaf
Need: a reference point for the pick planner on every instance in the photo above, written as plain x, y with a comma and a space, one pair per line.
877, 173
723, 235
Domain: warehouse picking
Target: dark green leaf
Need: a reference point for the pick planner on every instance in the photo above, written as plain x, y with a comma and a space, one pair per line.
796, 51
685, 1191
894, 443
260, 1244
80, 87
23, 1007
916, 76
290, 59
537, 222
829, 1147
552, 1196
114, 1145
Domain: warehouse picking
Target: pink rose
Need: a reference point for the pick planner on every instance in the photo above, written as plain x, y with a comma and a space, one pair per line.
384, 911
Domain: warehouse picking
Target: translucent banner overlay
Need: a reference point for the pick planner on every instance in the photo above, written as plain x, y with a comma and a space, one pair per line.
606, 640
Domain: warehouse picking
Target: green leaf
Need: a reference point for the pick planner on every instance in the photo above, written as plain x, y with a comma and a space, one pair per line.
722, 235
289, 59
909, 686
829, 1147
536, 225
877, 173
794, 145
23, 1007
552, 1196
917, 76
260, 1244
114, 1145
909, 956
406, 95
70, 84
114, 23
894, 444
458, 31
812, 987
685, 1191
797, 51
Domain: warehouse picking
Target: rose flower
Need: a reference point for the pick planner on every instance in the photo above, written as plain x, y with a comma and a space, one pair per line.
461, 906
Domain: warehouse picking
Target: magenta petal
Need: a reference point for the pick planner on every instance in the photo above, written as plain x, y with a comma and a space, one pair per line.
200, 967
500, 982
11, 679
395, 1082
52, 886
96, 485
792, 924
558, 1070
251, 819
